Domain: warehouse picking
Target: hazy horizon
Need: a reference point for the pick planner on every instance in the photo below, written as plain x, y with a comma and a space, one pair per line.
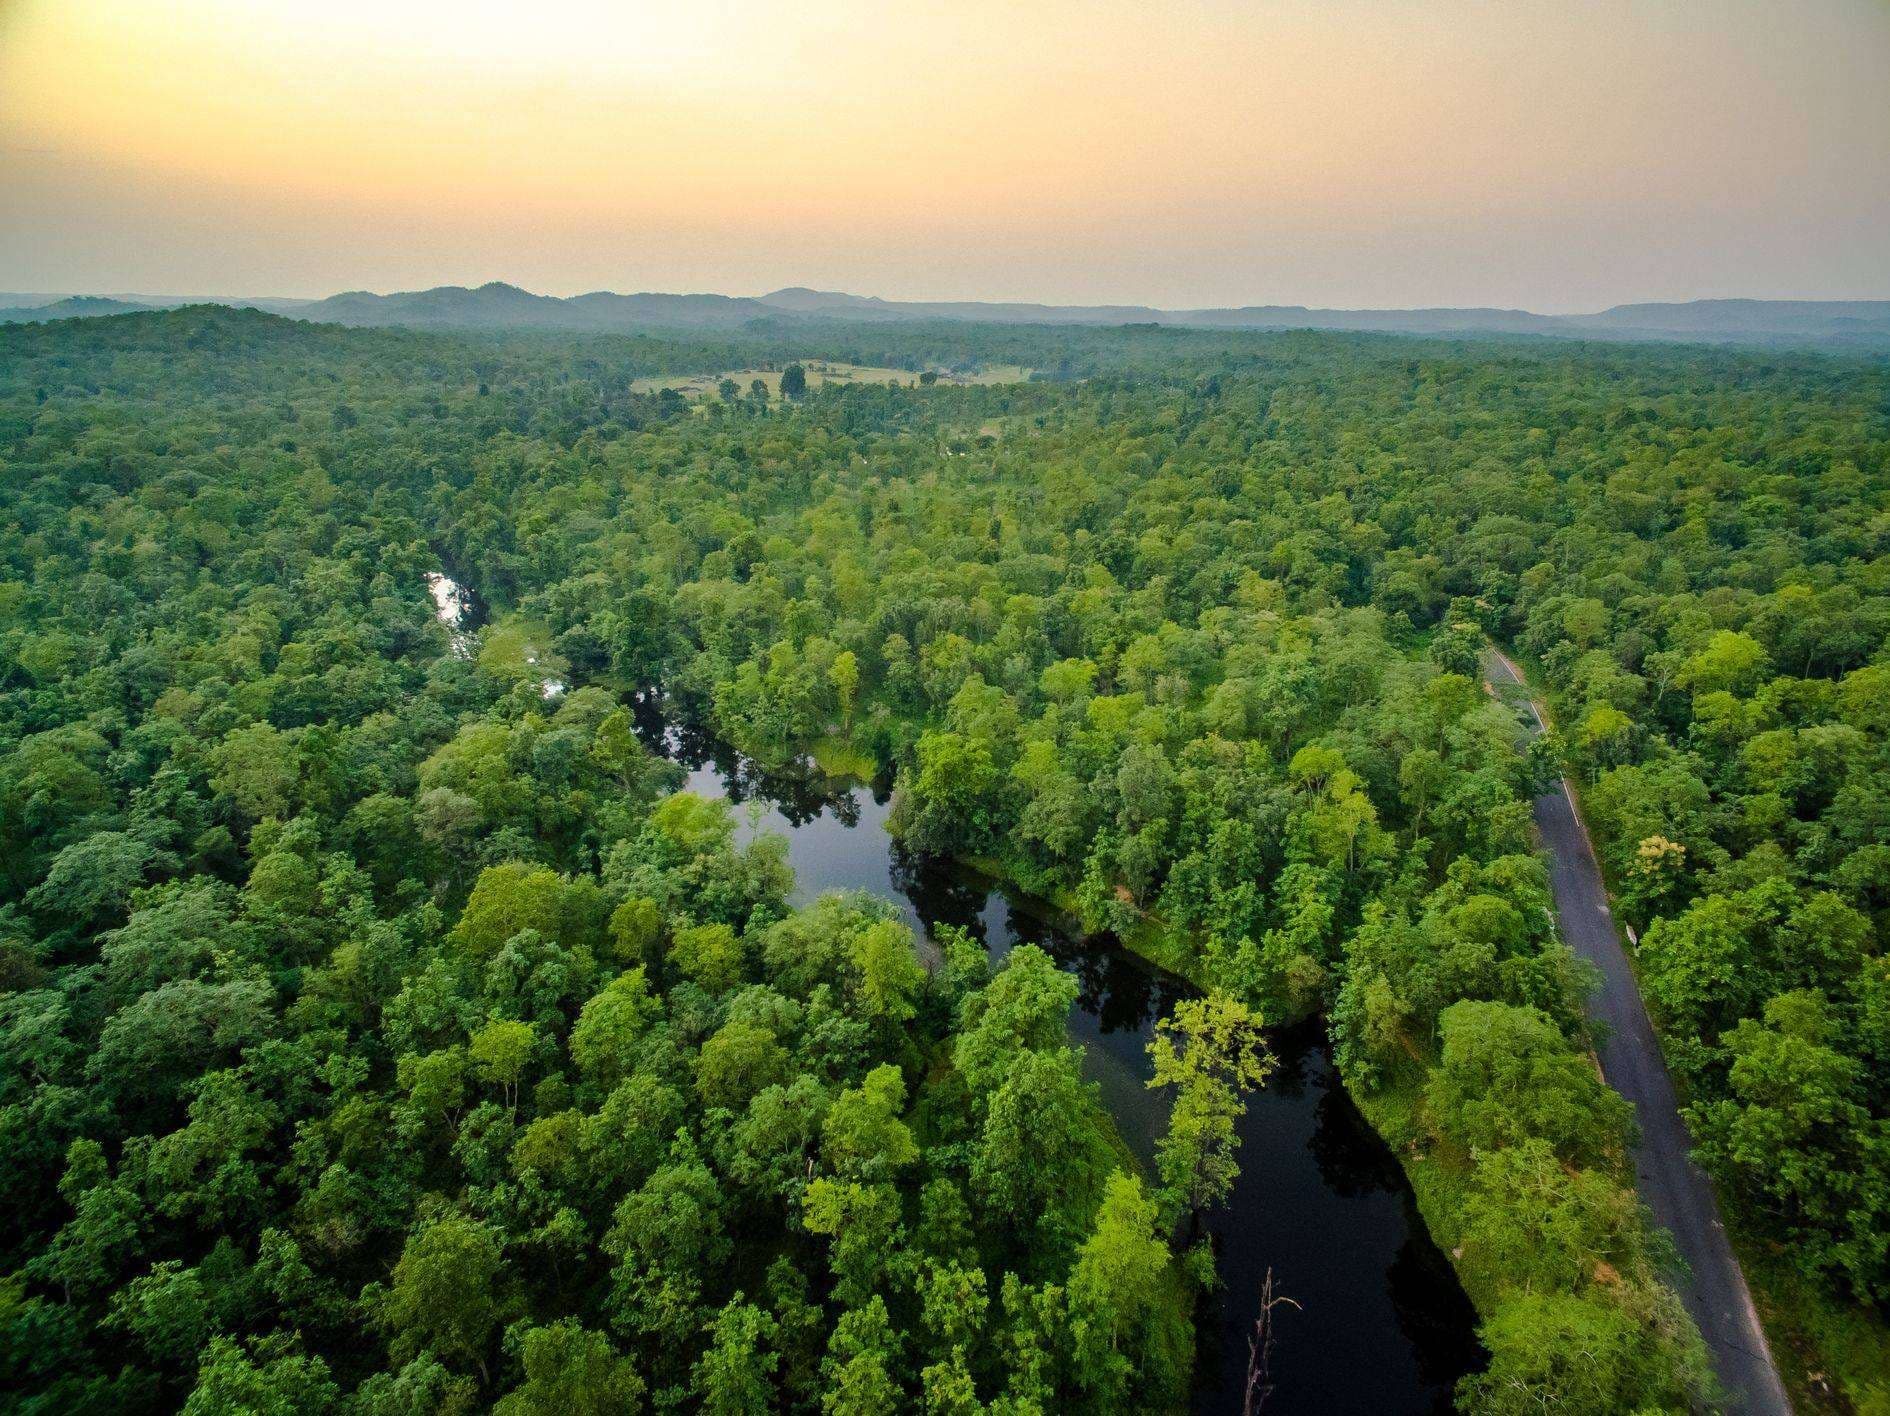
234, 296
1345, 155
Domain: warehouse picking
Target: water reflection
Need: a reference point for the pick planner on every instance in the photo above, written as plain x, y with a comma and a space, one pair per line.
1383, 1326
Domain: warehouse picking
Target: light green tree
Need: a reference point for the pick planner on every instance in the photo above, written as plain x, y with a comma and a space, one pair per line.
1210, 1050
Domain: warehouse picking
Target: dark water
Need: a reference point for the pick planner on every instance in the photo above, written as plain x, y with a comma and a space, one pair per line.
1382, 1325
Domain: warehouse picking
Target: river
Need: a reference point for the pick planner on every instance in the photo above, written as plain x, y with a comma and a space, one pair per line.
1382, 1326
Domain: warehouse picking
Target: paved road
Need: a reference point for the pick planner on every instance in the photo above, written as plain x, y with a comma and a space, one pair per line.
1675, 1189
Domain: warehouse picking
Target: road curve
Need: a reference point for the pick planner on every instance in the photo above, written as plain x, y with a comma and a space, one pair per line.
1673, 1187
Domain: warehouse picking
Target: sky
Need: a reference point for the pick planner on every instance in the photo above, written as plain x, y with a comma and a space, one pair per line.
1556, 157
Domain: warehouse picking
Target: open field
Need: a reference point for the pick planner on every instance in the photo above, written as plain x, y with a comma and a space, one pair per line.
825, 372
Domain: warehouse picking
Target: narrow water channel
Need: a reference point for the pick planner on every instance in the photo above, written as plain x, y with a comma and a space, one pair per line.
1382, 1326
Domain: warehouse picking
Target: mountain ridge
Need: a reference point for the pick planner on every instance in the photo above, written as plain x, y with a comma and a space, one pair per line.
500, 305
73, 307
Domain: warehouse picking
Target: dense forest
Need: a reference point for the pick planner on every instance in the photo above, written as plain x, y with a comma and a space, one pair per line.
384, 1033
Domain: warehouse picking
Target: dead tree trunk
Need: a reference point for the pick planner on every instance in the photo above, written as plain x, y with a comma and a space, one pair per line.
1260, 1349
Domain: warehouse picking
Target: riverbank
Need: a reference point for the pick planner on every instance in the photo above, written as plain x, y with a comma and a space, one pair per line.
1384, 1324
1150, 940
1438, 1182
1442, 1179
1105, 1151
840, 758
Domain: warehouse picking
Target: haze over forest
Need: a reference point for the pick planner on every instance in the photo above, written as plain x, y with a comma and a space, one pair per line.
1861, 324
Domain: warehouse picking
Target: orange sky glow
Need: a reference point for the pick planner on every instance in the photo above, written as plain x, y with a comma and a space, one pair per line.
1347, 152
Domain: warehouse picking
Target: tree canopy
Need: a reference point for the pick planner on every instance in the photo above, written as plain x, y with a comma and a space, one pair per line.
383, 1029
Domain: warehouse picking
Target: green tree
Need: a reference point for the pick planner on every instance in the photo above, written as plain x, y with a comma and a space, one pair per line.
442, 1297
740, 1060
863, 1222
500, 1052
1570, 1354
1794, 1136
1547, 1227
608, 1028
1023, 1008
1115, 1280
89, 883
844, 675
708, 954
887, 971
1210, 1050
733, 1377
1031, 1168
863, 1137
571, 1370
858, 1368
1507, 1075
273, 1381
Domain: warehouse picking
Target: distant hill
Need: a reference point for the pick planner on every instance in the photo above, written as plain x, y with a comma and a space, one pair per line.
1735, 318
1740, 320
497, 305
836, 305
18, 304
1833, 323
1471, 320
73, 307
500, 306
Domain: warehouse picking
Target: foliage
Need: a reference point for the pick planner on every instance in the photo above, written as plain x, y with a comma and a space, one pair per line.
1210, 1050
380, 1026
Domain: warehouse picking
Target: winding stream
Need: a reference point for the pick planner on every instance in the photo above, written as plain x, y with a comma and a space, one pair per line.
1383, 1326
